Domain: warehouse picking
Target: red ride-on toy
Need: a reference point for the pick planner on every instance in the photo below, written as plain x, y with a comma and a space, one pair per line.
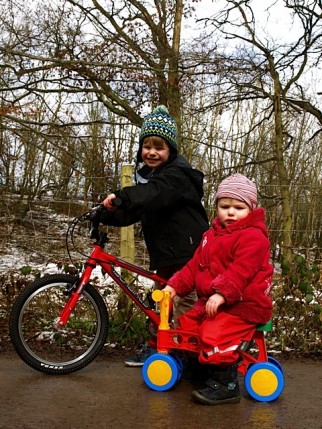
264, 379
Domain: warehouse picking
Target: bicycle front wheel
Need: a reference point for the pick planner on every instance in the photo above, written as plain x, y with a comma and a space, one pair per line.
34, 333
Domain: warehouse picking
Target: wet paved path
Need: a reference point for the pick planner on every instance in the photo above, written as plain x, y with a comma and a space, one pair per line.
108, 395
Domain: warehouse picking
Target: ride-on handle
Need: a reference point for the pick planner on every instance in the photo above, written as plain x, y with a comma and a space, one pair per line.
163, 298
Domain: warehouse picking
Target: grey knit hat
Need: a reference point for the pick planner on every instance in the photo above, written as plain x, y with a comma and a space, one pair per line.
159, 123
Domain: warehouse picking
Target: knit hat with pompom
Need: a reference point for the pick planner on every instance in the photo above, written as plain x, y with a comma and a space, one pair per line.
239, 187
159, 123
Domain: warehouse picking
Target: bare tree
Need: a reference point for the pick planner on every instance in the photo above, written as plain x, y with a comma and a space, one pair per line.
127, 53
274, 74
78, 77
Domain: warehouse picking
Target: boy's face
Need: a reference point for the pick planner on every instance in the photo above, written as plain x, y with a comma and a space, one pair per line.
155, 152
230, 210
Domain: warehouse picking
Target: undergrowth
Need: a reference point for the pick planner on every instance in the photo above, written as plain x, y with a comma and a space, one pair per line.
297, 318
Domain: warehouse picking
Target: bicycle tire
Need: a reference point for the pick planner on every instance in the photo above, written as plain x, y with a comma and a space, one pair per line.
35, 336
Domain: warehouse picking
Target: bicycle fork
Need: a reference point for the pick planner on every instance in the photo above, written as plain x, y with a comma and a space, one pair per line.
61, 321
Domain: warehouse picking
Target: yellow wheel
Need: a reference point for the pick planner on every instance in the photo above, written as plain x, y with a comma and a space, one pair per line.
161, 372
264, 381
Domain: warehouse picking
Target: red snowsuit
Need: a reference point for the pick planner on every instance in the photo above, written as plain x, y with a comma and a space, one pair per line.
234, 262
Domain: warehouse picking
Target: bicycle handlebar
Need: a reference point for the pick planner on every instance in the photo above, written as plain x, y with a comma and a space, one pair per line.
92, 213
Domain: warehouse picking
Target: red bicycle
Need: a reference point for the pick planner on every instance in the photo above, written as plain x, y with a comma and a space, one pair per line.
59, 324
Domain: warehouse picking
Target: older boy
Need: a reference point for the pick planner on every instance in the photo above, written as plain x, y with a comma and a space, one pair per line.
168, 205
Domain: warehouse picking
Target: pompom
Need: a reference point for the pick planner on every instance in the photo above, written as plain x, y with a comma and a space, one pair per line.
161, 109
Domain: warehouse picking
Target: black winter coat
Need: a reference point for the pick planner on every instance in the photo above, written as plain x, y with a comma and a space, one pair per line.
170, 209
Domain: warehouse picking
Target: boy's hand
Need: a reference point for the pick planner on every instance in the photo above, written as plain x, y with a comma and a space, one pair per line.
170, 289
108, 202
214, 301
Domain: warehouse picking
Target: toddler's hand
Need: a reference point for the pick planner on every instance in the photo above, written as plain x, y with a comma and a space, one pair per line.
170, 289
214, 301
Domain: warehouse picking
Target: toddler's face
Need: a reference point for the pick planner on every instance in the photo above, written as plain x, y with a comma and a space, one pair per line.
230, 210
155, 152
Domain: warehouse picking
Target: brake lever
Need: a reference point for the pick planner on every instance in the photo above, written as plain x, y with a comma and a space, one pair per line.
94, 211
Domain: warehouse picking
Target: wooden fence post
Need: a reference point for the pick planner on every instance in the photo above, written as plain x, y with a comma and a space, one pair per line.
127, 232
125, 305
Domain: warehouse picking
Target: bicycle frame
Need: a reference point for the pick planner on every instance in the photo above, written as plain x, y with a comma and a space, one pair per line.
108, 263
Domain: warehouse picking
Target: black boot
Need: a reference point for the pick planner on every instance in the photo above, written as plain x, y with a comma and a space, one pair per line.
195, 371
221, 388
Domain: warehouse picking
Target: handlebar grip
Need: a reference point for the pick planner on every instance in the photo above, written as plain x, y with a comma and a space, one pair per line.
157, 295
117, 202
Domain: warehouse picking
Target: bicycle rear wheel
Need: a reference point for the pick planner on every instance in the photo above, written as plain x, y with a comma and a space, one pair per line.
34, 333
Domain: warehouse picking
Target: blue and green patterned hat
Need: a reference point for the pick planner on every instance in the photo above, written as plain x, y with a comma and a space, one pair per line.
159, 123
